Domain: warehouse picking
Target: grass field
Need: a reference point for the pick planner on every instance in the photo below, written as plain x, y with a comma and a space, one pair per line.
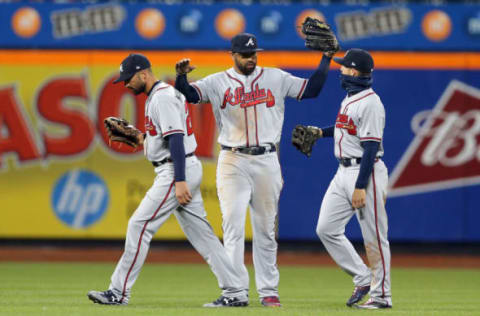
61, 288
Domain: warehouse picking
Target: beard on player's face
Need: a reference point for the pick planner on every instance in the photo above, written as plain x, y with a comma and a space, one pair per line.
136, 85
246, 63
139, 89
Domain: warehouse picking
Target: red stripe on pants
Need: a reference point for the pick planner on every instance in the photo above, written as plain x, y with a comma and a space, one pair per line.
376, 227
140, 240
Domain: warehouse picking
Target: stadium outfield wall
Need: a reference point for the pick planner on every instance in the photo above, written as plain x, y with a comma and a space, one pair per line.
59, 178
117, 25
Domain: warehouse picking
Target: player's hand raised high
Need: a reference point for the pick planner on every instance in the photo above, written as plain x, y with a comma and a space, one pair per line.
183, 67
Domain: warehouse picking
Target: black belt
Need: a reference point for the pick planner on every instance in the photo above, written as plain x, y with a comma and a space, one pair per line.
168, 159
255, 150
347, 162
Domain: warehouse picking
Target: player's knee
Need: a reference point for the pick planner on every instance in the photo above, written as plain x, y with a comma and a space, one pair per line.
233, 236
323, 232
265, 240
233, 228
135, 224
230, 217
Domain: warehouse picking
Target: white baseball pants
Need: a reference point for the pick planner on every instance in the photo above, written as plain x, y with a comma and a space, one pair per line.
256, 181
158, 204
336, 211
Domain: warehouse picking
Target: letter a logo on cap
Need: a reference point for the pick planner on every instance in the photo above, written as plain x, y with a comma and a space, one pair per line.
250, 42
121, 68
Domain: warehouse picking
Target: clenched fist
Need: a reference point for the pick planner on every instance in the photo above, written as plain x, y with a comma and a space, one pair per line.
183, 67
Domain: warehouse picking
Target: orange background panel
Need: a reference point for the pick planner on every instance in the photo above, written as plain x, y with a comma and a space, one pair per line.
286, 59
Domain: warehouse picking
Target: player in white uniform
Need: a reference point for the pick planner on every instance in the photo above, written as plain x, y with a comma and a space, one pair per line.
248, 102
169, 144
359, 184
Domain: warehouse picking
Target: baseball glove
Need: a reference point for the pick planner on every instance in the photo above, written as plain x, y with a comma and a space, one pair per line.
304, 137
119, 130
319, 36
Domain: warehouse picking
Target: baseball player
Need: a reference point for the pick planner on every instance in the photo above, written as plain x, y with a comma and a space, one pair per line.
248, 103
359, 184
169, 144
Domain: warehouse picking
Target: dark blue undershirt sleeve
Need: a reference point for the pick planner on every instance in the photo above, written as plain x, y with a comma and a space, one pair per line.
317, 79
370, 149
177, 153
182, 85
328, 131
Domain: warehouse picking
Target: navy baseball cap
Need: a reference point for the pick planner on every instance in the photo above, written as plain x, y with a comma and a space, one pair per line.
358, 59
245, 43
131, 65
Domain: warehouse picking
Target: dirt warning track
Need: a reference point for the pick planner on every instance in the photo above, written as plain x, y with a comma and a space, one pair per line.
161, 255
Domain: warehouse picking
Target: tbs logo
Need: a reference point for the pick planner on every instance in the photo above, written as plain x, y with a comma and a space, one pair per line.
80, 198
445, 152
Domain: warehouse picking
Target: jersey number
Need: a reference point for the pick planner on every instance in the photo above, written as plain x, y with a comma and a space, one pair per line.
188, 120
150, 127
152, 131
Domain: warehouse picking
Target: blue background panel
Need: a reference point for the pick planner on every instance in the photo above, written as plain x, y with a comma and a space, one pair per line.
441, 215
193, 26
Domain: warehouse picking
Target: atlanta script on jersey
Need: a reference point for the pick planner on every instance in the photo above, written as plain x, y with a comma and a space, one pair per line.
361, 118
249, 109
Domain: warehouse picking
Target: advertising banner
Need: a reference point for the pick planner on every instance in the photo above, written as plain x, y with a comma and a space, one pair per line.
60, 177
118, 25
432, 150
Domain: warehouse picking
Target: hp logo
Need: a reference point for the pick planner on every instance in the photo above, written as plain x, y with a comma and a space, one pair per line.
80, 198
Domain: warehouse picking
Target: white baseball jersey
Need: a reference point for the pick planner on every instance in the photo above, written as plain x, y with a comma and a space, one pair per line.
249, 110
166, 113
361, 118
